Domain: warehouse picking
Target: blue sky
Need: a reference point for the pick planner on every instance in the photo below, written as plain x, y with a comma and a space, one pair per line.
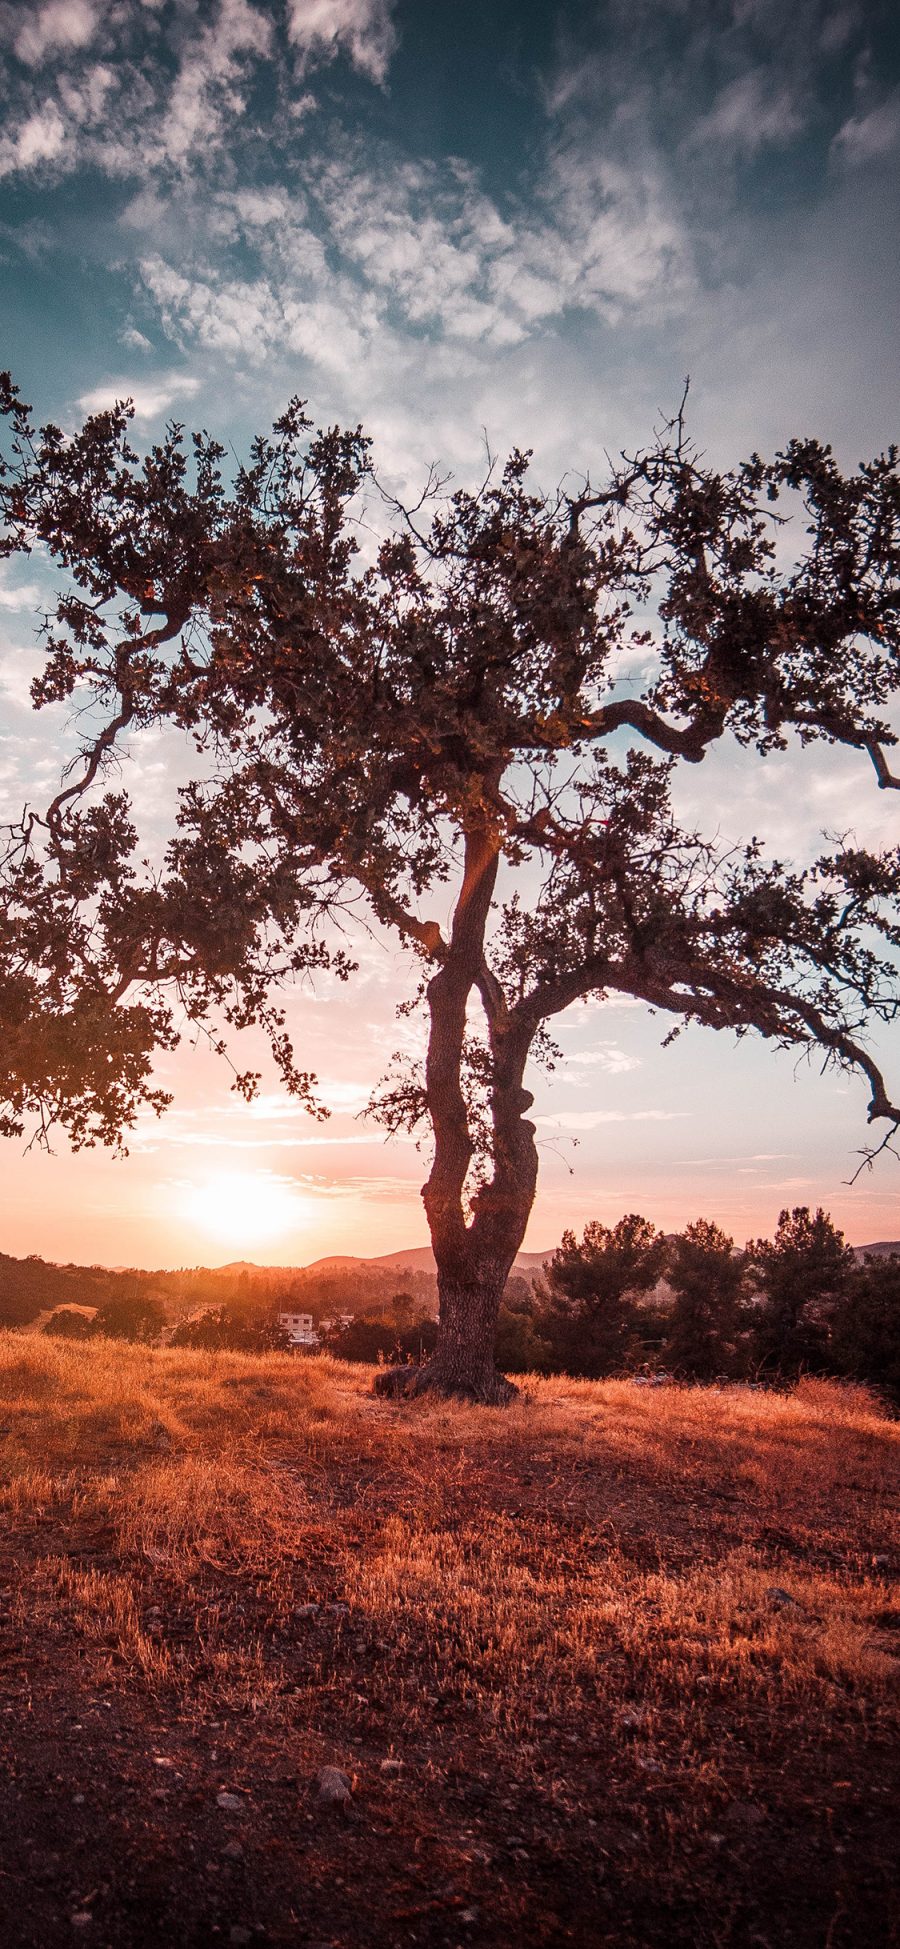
529, 221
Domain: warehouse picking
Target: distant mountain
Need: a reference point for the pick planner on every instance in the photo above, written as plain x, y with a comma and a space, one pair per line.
416, 1258
420, 1258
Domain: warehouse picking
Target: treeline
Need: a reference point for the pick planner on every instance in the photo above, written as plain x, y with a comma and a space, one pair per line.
629, 1300
626, 1299
404, 1329
32, 1286
623, 1300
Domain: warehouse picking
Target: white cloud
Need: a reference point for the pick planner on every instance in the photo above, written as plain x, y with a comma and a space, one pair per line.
256, 208
863, 138
135, 340
371, 252
592, 1119
207, 86
364, 29
27, 596
60, 24
609, 1058
749, 114
40, 138
247, 320
150, 396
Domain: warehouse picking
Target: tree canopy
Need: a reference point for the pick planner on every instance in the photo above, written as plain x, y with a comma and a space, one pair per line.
441, 722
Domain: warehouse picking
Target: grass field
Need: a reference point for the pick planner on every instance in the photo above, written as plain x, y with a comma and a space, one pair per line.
616, 1665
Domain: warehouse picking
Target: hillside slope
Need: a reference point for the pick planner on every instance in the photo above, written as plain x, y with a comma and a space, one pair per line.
614, 1666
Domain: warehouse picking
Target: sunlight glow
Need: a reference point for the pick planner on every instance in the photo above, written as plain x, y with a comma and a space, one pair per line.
243, 1208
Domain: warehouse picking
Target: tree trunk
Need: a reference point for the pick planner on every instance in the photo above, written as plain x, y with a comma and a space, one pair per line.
473, 1261
462, 1365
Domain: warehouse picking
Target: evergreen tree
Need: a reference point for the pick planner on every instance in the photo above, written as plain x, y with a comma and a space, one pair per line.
802, 1276
865, 1333
588, 1310
707, 1278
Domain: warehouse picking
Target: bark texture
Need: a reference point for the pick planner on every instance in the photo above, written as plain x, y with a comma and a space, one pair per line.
473, 1259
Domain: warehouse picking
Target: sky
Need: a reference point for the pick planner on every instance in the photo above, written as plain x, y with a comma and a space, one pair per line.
524, 223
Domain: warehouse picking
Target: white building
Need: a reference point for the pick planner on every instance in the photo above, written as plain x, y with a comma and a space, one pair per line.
299, 1329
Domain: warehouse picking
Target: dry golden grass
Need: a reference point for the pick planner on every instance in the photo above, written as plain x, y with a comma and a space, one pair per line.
581, 1582
234, 1464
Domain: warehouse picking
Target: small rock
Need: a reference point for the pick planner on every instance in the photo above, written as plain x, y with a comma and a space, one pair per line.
240, 1935
881, 1562
307, 1610
82, 1919
391, 1766
333, 1788
230, 1803
233, 1851
338, 1610
78, 1799
782, 1598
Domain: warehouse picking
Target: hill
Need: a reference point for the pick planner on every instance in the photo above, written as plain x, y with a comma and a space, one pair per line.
527, 1264
608, 1666
419, 1258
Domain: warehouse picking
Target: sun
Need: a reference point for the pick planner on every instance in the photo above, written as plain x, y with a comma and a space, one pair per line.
243, 1208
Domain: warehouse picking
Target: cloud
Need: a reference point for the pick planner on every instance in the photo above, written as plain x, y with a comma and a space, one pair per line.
369, 252
609, 1057
750, 114
22, 595
40, 138
60, 24
207, 86
592, 1119
135, 340
150, 397
865, 138
328, 321
364, 29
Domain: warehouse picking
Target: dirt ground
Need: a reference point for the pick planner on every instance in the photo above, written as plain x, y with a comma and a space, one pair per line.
614, 1666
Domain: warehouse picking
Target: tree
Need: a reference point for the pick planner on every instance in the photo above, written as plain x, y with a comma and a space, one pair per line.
69, 1323
707, 1278
802, 1275
447, 719
589, 1313
222, 1329
518, 1345
865, 1332
130, 1318
404, 1311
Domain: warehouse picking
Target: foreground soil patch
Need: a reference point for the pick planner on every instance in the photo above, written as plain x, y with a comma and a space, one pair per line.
614, 1666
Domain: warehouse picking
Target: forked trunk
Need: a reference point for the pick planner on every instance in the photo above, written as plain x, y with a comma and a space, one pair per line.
473, 1265
473, 1260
